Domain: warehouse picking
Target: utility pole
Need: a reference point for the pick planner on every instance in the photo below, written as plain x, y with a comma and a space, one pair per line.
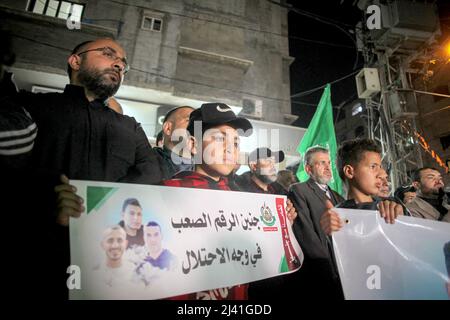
391, 103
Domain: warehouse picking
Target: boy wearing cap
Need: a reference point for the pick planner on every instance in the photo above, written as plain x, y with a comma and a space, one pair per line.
217, 141
263, 172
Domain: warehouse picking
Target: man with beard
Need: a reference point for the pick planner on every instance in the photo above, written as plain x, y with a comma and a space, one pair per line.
429, 202
80, 137
263, 174
319, 276
262, 179
176, 152
385, 190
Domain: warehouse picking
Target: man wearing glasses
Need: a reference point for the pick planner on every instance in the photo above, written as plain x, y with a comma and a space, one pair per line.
430, 202
80, 137
262, 176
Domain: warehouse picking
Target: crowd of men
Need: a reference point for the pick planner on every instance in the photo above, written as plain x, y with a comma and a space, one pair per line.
82, 133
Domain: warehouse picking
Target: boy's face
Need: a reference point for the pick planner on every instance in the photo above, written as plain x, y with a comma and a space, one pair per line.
364, 175
220, 150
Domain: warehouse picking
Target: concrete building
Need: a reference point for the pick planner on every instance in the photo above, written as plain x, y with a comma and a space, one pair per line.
351, 121
181, 52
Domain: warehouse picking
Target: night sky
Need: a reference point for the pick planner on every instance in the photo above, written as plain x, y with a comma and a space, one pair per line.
319, 63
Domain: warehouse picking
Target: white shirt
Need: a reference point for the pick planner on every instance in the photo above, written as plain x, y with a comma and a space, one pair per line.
325, 189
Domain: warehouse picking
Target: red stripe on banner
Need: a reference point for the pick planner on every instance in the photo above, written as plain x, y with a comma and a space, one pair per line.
291, 257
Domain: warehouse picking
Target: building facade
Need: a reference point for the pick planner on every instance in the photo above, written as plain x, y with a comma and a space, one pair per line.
181, 52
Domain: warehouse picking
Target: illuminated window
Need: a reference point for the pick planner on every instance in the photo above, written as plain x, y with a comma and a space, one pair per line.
357, 108
57, 9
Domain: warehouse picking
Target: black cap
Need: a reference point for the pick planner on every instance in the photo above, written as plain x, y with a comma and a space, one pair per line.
216, 114
400, 192
264, 153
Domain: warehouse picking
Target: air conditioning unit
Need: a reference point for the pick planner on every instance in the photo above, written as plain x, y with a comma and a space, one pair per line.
251, 108
402, 103
367, 82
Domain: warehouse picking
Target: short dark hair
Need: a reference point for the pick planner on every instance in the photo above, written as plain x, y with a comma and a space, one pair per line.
153, 224
130, 202
77, 48
351, 152
416, 173
172, 111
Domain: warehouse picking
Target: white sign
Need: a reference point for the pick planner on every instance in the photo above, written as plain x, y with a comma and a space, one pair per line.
405, 260
194, 240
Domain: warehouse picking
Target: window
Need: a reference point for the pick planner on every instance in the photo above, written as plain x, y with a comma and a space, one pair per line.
57, 9
153, 24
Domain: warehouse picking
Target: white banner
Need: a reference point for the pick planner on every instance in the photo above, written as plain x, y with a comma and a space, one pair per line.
194, 240
405, 260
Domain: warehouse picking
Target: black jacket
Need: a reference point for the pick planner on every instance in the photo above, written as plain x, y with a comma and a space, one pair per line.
318, 276
245, 183
168, 167
89, 141
309, 201
85, 141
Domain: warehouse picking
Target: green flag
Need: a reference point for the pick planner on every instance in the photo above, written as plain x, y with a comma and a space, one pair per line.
321, 133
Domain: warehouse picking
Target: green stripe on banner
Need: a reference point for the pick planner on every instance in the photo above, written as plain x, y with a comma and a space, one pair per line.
283, 265
96, 196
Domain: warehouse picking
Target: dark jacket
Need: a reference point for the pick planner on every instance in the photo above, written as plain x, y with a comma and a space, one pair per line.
271, 287
137, 240
245, 183
89, 141
309, 200
84, 140
319, 276
168, 167
351, 204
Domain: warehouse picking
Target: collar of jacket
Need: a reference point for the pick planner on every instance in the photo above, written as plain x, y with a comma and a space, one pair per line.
428, 196
247, 178
192, 175
77, 92
351, 204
